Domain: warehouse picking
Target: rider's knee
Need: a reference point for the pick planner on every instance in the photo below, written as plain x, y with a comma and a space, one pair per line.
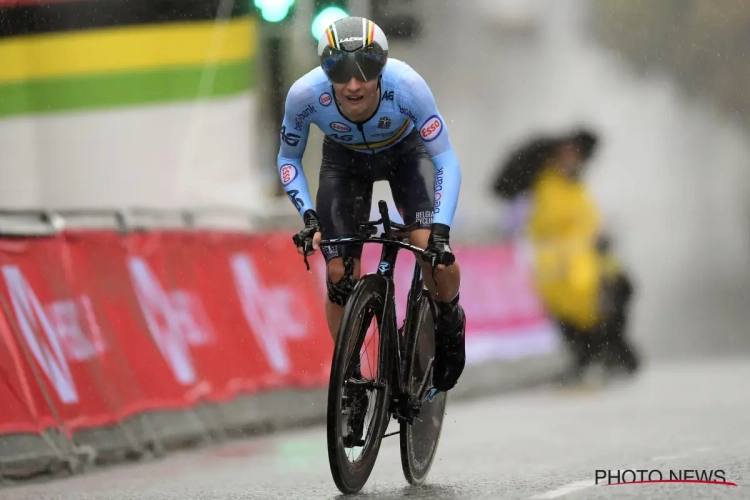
342, 275
420, 238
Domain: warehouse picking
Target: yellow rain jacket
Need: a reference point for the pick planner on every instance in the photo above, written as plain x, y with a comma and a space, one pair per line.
563, 228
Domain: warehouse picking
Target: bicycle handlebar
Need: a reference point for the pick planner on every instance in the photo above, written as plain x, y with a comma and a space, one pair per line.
366, 231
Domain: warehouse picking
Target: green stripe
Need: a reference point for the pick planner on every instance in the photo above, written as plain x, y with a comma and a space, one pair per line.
123, 89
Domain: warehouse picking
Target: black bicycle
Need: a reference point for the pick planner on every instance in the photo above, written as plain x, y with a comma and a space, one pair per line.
399, 383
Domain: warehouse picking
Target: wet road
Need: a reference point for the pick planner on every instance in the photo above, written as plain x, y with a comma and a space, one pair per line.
547, 443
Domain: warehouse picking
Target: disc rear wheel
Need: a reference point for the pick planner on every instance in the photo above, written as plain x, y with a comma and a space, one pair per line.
419, 440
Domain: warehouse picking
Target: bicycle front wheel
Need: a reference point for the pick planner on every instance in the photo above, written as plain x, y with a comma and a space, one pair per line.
366, 302
419, 440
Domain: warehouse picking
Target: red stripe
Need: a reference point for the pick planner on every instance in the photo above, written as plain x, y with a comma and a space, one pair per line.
693, 481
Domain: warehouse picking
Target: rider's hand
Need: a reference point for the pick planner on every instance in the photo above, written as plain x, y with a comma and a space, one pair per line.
310, 236
438, 250
315, 244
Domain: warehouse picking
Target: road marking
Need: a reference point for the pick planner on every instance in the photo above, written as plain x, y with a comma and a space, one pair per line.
564, 490
705, 449
582, 485
667, 457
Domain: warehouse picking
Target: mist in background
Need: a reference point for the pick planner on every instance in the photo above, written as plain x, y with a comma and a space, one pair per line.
671, 177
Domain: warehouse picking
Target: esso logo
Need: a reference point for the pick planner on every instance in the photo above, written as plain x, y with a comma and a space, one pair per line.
340, 127
431, 128
325, 99
288, 174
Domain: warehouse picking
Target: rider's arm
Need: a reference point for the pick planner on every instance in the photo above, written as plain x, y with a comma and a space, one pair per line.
418, 103
294, 133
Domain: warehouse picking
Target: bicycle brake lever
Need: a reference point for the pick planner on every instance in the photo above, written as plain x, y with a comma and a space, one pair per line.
433, 264
305, 248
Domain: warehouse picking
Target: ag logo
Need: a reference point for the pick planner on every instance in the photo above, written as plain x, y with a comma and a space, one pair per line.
340, 127
288, 173
431, 128
325, 99
387, 95
343, 138
291, 138
298, 203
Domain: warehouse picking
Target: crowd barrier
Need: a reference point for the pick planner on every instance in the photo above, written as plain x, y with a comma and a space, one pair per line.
123, 344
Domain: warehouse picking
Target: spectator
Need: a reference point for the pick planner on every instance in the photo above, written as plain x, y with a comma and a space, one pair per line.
578, 277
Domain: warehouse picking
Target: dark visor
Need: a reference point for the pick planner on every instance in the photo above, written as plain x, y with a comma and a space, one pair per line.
342, 66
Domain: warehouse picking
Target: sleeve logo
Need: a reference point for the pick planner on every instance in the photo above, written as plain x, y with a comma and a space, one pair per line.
288, 173
299, 120
289, 138
431, 128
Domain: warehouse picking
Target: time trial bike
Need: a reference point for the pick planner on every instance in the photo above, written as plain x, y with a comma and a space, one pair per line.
400, 382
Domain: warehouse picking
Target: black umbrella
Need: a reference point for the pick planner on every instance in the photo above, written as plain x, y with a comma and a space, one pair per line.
521, 167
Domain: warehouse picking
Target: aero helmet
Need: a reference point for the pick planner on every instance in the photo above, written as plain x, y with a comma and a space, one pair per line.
353, 47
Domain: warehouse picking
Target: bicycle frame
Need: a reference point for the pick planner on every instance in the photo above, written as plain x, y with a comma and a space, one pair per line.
391, 246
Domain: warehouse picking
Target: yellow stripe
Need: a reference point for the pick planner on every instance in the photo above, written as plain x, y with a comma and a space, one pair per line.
381, 144
370, 32
125, 49
329, 34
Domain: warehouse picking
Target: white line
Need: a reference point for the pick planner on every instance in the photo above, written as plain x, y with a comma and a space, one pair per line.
705, 449
684, 455
668, 457
564, 490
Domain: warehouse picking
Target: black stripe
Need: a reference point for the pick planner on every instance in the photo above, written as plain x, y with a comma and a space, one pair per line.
90, 14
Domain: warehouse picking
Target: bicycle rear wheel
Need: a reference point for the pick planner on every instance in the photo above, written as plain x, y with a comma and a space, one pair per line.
366, 301
419, 440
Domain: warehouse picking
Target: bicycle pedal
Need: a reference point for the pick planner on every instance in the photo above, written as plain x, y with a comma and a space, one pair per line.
430, 395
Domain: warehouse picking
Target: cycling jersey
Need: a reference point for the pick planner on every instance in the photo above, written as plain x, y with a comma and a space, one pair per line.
406, 102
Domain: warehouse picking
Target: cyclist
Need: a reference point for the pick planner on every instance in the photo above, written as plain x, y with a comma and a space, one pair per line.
380, 122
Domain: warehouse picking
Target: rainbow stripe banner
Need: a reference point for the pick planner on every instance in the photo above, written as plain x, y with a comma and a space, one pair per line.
63, 55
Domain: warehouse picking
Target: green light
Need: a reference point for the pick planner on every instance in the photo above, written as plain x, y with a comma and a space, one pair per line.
274, 11
326, 17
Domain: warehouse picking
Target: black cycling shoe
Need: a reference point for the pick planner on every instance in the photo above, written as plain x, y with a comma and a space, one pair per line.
357, 402
450, 348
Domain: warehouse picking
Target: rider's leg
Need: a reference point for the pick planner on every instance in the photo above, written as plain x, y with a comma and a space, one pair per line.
342, 182
343, 272
450, 332
448, 279
344, 197
413, 188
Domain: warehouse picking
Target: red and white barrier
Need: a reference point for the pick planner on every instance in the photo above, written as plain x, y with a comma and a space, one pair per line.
98, 326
